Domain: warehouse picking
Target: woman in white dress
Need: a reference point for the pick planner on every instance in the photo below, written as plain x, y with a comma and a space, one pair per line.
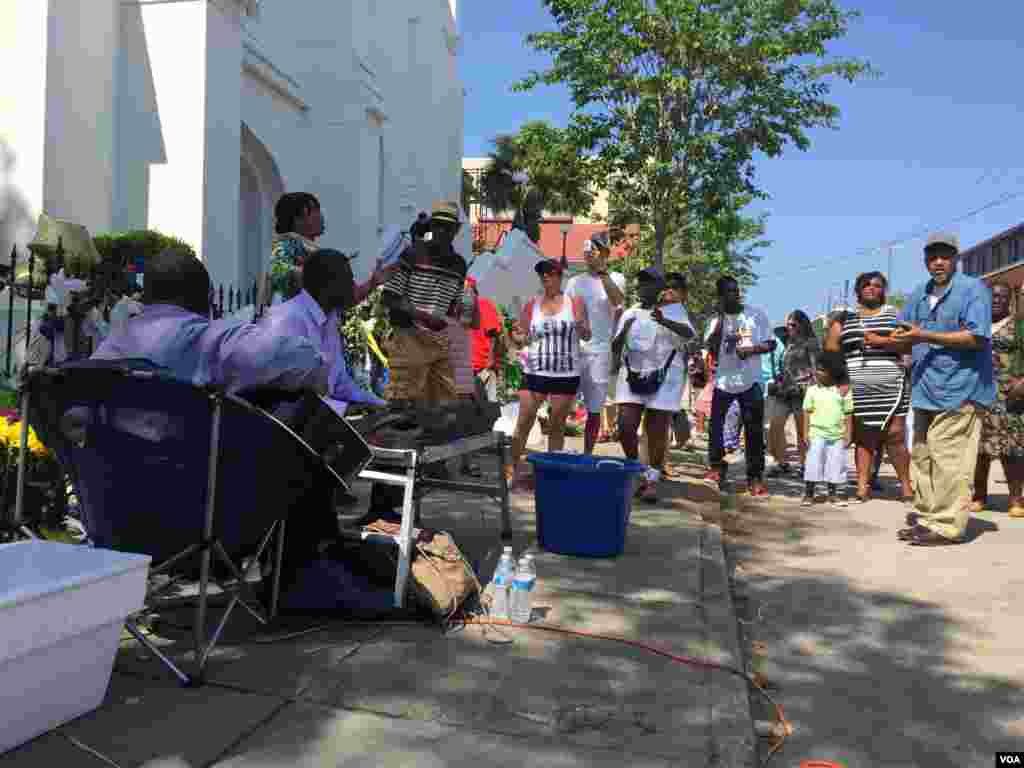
651, 343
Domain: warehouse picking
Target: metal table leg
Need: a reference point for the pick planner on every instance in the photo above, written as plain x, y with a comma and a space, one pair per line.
506, 514
405, 535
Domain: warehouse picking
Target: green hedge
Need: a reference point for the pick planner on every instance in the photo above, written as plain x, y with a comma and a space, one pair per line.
120, 247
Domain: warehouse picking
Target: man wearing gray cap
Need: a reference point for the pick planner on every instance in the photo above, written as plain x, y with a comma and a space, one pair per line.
947, 322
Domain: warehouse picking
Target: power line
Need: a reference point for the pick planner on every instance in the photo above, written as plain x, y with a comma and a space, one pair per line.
915, 235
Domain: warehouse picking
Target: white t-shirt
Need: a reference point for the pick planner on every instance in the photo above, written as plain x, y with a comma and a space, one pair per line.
732, 374
600, 311
649, 344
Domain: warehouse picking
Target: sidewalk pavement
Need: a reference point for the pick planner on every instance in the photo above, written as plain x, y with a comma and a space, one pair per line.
882, 654
404, 694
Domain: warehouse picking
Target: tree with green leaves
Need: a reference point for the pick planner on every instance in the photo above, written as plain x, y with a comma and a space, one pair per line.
535, 170
469, 191
725, 244
674, 98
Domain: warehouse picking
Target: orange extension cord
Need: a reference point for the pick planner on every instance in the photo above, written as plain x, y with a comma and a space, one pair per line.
784, 728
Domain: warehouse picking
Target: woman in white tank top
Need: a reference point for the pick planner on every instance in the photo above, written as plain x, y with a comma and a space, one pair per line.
556, 324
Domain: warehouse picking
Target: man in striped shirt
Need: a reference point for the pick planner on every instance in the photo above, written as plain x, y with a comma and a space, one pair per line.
430, 277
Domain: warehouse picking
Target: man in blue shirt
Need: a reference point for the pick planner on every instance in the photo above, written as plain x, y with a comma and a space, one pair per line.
949, 327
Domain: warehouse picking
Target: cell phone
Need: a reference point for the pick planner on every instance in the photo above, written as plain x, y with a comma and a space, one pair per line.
903, 325
883, 332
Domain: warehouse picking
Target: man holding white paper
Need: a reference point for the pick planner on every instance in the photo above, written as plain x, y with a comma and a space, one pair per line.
419, 294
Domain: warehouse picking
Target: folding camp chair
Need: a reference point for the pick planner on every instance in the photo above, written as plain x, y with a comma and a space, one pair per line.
179, 473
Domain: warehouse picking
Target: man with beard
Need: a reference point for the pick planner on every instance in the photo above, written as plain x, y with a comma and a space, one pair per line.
738, 335
948, 323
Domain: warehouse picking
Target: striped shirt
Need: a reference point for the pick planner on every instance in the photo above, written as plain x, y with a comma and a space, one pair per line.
429, 287
877, 376
554, 348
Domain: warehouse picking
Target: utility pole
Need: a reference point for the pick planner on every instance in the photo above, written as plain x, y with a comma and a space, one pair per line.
888, 273
891, 287
846, 294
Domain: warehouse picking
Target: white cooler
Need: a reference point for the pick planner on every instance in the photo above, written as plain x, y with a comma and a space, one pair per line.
61, 611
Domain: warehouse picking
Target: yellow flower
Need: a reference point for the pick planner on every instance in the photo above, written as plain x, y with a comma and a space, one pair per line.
11, 435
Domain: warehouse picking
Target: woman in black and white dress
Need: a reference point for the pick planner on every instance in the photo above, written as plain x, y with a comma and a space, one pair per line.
881, 391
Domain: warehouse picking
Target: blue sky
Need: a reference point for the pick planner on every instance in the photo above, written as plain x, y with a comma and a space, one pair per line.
937, 136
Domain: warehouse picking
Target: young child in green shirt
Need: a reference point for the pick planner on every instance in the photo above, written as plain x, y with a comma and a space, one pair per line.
828, 423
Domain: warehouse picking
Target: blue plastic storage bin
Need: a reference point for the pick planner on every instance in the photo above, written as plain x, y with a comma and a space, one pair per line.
583, 502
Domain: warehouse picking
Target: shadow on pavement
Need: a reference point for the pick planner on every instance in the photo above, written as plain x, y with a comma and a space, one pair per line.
345, 693
870, 677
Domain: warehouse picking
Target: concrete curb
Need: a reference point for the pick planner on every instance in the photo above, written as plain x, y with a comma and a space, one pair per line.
732, 741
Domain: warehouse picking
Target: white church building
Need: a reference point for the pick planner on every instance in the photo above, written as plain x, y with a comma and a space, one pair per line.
191, 117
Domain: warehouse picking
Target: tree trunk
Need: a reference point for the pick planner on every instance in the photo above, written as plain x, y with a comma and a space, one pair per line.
660, 234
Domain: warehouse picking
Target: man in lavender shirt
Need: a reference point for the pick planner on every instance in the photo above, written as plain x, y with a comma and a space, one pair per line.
313, 314
174, 332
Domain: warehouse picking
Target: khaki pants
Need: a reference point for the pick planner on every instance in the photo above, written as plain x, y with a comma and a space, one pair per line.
942, 467
420, 368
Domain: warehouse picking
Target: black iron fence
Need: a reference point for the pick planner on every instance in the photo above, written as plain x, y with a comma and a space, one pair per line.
236, 300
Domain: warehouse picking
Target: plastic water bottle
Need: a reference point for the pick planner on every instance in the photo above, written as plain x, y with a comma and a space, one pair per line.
503, 576
522, 587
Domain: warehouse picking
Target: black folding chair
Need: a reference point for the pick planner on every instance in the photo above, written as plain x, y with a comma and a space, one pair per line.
179, 473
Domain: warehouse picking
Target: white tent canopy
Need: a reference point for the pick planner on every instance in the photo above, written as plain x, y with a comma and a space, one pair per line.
507, 276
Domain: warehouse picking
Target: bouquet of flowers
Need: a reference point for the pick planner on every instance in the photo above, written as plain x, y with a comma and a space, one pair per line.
45, 491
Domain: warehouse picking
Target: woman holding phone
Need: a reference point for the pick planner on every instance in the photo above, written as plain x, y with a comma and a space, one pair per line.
881, 392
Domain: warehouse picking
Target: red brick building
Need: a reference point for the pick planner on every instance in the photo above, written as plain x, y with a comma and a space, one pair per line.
1001, 258
487, 233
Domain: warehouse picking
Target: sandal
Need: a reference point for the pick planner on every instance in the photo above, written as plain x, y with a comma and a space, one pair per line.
930, 539
523, 483
650, 492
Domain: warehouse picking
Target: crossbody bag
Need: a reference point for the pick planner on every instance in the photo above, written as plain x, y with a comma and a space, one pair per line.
647, 383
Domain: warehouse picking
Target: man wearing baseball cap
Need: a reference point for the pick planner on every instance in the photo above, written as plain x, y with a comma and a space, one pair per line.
947, 321
603, 294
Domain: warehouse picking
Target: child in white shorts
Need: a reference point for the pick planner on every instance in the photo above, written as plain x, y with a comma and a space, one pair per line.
828, 410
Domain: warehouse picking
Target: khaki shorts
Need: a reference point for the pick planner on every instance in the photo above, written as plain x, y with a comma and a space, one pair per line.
420, 368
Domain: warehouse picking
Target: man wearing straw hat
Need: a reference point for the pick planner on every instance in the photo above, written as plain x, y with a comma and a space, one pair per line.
429, 278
